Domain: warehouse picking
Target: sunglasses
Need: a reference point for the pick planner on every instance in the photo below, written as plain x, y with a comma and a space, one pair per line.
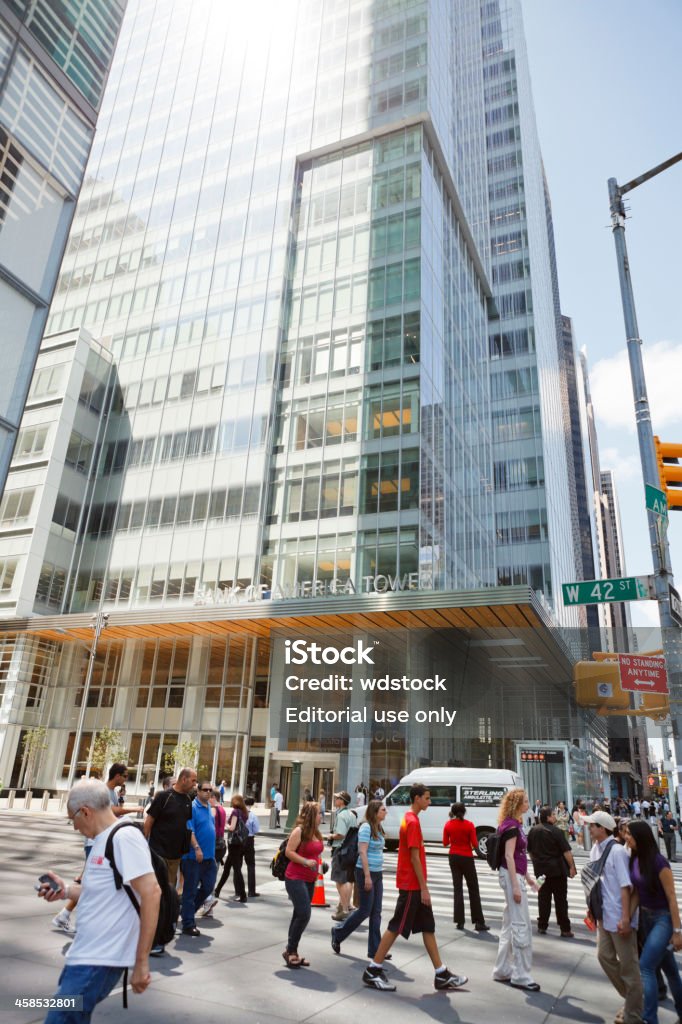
203, 789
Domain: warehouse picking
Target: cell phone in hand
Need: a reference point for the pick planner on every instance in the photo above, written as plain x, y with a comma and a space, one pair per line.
49, 881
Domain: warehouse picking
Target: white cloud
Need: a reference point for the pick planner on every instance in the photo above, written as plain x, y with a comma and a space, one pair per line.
624, 467
612, 391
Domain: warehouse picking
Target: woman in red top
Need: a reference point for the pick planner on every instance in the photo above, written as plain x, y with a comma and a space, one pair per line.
460, 836
304, 848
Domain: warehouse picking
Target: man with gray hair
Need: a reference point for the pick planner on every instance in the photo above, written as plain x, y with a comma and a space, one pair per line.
112, 937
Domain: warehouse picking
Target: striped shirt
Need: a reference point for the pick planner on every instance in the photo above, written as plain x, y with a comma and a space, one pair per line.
375, 848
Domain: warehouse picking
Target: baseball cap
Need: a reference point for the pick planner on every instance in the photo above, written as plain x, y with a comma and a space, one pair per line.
603, 819
342, 795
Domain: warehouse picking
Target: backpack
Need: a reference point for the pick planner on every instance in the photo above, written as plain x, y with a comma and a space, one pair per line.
239, 834
280, 862
591, 879
169, 904
494, 849
347, 853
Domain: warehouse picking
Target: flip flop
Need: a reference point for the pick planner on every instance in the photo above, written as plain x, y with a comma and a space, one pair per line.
291, 960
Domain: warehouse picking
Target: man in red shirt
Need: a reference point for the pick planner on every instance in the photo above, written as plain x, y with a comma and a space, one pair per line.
413, 912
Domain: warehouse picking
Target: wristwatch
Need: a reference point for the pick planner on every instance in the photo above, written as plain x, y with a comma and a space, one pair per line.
677, 931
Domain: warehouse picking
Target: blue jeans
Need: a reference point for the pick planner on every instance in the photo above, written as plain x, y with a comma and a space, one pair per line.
657, 930
301, 894
370, 907
199, 880
92, 983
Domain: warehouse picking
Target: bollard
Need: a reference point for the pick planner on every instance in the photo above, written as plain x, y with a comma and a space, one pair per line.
46, 800
27, 799
273, 816
62, 800
10, 798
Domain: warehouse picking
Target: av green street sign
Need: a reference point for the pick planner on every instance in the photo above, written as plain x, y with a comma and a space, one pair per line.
656, 501
630, 588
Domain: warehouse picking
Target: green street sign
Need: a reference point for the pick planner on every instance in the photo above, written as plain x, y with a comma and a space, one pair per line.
656, 501
630, 588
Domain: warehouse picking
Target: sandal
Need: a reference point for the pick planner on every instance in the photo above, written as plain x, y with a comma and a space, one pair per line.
291, 959
302, 962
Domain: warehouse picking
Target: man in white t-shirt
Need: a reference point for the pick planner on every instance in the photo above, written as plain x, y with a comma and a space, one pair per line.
111, 935
617, 932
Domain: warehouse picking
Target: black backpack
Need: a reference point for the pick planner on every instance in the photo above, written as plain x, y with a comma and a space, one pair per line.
280, 862
169, 904
591, 879
239, 834
494, 849
347, 853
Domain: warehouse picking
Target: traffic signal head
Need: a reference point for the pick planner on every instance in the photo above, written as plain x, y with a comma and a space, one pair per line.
669, 460
597, 685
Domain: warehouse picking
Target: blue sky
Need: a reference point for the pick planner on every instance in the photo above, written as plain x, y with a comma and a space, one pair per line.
607, 82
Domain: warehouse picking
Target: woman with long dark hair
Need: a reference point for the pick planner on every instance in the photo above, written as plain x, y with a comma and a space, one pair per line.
369, 876
460, 835
303, 850
660, 924
235, 849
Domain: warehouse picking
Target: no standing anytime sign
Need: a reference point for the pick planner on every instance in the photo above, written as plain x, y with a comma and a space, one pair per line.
643, 675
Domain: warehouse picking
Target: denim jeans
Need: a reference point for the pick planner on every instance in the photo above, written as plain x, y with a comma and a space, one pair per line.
92, 983
657, 930
199, 880
370, 907
301, 894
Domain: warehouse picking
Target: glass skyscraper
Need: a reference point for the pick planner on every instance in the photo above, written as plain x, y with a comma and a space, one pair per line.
54, 61
534, 472
278, 291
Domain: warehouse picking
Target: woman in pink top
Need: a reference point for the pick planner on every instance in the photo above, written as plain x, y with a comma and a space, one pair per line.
303, 850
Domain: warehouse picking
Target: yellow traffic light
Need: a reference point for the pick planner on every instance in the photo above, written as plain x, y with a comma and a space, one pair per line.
668, 457
597, 685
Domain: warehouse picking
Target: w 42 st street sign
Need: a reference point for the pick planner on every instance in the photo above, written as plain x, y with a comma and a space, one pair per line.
629, 588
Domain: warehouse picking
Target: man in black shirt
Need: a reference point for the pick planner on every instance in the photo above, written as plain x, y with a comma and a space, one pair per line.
667, 827
166, 826
551, 855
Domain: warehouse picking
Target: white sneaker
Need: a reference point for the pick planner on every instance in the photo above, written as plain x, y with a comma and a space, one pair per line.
207, 908
62, 922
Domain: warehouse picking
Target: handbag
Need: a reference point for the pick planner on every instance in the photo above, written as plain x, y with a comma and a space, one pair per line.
220, 849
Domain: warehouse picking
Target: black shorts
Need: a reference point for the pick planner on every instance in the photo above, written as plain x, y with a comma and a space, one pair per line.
411, 915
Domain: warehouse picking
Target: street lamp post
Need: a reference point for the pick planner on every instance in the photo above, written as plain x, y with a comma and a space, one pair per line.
663, 574
99, 622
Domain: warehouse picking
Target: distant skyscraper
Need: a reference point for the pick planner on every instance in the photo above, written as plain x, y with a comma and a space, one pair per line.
54, 61
533, 478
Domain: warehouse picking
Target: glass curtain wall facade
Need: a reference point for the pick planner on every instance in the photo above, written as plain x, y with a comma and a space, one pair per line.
54, 61
534, 485
295, 304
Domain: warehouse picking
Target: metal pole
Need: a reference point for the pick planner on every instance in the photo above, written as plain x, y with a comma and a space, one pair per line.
660, 550
99, 622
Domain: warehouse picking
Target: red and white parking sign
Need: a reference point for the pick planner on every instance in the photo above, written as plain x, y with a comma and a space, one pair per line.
643, 675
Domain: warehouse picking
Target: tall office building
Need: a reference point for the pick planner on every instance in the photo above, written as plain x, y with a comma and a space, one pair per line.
533, 468
274, 306
54, 61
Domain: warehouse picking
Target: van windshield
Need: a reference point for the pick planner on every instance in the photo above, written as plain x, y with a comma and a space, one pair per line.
441, 796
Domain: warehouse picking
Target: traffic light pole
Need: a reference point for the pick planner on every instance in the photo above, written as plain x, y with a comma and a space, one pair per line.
663, 575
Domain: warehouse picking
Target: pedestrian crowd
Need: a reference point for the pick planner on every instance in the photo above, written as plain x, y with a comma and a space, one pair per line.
138, 879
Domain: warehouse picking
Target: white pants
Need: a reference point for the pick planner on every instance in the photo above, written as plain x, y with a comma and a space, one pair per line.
515, 952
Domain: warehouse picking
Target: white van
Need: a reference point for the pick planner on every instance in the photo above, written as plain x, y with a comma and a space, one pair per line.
479, 789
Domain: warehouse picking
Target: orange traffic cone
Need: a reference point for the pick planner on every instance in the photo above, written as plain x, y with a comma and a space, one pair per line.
319, 899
